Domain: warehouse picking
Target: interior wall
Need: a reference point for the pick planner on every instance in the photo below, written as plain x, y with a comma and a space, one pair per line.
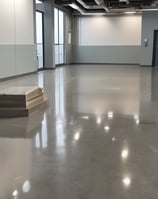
17, 48
107, 39
149, 24
110, 31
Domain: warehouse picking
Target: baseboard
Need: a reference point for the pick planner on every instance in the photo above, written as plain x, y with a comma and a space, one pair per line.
17, 76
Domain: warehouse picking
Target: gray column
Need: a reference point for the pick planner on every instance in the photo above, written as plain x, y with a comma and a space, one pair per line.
49, 34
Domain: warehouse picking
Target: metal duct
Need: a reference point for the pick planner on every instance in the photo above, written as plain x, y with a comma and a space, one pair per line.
99, 2
83, 11
92, 7
155, 3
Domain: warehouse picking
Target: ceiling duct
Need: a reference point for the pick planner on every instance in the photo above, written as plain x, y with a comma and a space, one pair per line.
85, 7
99, 2
92, 7
83, 11
155, 3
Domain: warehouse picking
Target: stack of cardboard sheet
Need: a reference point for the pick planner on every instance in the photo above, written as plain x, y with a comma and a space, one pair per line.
19, 101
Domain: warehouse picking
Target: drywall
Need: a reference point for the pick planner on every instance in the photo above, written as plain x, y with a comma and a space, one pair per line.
24, 22
7, 22
149, 24
17, 48
110, 31
107, 39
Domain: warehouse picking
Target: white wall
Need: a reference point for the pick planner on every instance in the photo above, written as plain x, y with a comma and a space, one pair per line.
24, 21
17, 47
16, 21
110, 31
7, 22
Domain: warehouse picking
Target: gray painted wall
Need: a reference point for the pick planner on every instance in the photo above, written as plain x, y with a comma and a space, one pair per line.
106, 54
49, 34
149, 24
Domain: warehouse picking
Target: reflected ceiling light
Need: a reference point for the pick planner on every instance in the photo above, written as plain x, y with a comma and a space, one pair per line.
107, 128
85, 117
110, 114
77, 136
98, 120
126, 181
15, 193
26, 186
113, 139
136, 117
124, 153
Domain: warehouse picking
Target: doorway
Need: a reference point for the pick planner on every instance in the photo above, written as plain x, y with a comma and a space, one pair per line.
39, 39
155, 51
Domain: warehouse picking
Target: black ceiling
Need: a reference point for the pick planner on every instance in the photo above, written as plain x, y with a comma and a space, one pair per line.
91, 6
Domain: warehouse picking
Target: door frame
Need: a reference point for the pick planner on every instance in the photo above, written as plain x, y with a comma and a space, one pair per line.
154, 48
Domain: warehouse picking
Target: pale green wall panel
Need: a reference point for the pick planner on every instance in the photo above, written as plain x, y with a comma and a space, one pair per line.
7, 61
106, 54
26, 61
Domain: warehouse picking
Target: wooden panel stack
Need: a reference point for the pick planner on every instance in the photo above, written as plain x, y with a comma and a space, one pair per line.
19, 101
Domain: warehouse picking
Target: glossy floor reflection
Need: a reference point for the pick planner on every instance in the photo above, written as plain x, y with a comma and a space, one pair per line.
98, 138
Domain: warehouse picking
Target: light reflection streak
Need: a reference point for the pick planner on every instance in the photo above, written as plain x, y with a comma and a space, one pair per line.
124, 153
106, 128
126, 181
110, 114
60, 108
26, 186
44, 133
15, 194
77, 136
98, 120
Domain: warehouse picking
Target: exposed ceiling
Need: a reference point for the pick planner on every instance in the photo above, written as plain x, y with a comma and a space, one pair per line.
88, 7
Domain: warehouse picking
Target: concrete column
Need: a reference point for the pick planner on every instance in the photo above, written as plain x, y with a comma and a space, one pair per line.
49, 34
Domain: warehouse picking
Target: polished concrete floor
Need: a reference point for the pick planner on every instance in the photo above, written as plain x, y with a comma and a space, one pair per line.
97, 138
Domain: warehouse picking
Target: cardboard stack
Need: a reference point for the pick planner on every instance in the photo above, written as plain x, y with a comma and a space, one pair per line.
19, 101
